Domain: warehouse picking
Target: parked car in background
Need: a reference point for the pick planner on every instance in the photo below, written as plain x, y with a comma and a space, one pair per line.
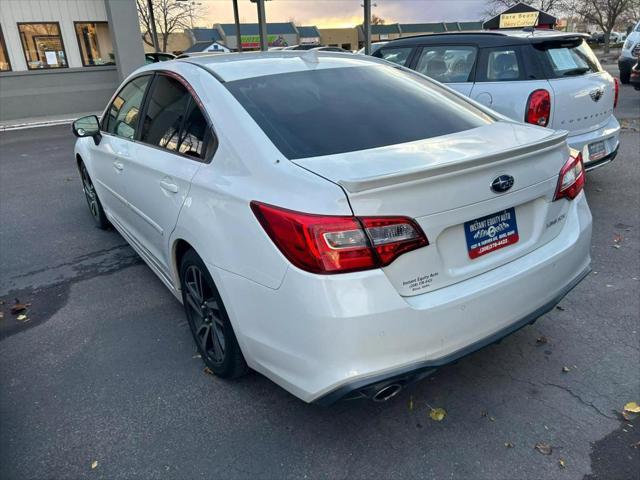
634, 79
331, 49
304, 46
154, 57
346, 258
547, 78
374, 46
629, 53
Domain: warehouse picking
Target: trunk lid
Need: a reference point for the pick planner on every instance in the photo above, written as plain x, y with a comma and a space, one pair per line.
583, 93
444, 184
582, 104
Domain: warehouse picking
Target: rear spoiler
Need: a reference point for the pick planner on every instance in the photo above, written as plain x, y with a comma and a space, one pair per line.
551, 142
572, 37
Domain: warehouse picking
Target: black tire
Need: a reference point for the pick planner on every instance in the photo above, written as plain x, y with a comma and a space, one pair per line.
90, 194
625, 73
208, 319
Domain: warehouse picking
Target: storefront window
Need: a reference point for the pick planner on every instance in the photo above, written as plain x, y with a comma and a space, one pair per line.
42, 45
5, 65
95, 44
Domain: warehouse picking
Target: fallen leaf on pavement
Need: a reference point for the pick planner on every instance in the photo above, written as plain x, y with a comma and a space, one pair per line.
437, 414
561, 463
541, 340
635, 445
411, 403
1, 315
558, 307
94, 464
565, 369
543, 448
18, 307
208, 371
196, 356
22, 318
508, 444
632, 407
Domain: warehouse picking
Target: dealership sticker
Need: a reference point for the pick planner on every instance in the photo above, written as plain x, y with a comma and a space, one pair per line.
491, 233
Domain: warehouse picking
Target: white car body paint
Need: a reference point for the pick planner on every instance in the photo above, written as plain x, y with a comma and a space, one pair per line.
314, 334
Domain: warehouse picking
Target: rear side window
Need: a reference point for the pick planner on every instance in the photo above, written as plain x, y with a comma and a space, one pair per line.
396, 55
502, 65
164, 114
174, 120
123, 114
447, 64
569, 59
338, 110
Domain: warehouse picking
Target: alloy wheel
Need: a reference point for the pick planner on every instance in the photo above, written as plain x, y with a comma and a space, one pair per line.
204, 315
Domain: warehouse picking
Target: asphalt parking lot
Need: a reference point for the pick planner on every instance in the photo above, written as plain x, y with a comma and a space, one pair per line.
102, 380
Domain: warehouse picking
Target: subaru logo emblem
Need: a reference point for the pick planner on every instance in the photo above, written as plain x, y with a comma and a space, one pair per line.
596, 94
502, 183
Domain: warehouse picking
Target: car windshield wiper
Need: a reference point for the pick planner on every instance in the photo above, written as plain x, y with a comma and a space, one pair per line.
576, 71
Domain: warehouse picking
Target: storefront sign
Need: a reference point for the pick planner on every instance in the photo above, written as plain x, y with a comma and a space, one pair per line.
253, 41
517, 20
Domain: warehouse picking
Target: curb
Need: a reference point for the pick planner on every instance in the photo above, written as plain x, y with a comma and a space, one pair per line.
47, 123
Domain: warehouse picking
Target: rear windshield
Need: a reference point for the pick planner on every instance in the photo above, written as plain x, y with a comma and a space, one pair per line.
570, 58
338, 110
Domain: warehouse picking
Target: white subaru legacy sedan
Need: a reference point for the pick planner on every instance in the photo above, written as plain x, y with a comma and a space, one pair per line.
340, 224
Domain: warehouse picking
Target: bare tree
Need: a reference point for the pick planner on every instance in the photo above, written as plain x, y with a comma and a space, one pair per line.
495, 7
376, 20
170, 16
603, 13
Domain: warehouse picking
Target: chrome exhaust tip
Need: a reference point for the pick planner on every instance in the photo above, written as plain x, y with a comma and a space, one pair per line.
387, 392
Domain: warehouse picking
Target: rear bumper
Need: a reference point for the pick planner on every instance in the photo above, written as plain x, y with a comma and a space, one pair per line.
609, 134
321, 337
407, 375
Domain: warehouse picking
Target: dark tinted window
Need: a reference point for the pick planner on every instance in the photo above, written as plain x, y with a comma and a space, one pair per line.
447, 64
398, 55
123, 113
328, 111
196, 134
167, 104
502, 65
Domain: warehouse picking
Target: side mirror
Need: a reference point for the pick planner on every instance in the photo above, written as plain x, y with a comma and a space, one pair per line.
88, 126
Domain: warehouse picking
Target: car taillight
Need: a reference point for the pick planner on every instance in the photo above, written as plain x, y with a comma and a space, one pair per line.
572, 178
538, 108
338, 244
616, 92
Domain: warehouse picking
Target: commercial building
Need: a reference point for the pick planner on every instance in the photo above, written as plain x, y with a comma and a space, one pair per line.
346, 38
398, 30
64, 56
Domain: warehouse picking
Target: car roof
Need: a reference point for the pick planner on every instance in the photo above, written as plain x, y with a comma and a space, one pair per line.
487, 38
237, 66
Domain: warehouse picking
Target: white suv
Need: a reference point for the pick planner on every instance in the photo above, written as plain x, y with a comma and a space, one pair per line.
547, 78
629, 54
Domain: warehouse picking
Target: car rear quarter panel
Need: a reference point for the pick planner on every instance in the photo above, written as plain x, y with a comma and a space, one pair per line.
217, 219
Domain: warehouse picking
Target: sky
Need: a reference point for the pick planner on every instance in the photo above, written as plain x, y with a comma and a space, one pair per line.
343, 13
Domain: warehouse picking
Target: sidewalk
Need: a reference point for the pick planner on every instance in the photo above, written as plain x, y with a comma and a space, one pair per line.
33, 122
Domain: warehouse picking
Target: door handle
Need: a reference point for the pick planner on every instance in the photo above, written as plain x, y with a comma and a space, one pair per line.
118, 165
168, 186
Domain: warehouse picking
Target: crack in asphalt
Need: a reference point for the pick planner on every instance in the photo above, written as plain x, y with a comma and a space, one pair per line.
580, 399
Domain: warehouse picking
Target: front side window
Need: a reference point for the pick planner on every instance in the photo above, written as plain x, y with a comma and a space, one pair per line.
5, 65
173, 119
123, 113
447, 64
305, 115
94, 41
42, 45
502, 65
395, 55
